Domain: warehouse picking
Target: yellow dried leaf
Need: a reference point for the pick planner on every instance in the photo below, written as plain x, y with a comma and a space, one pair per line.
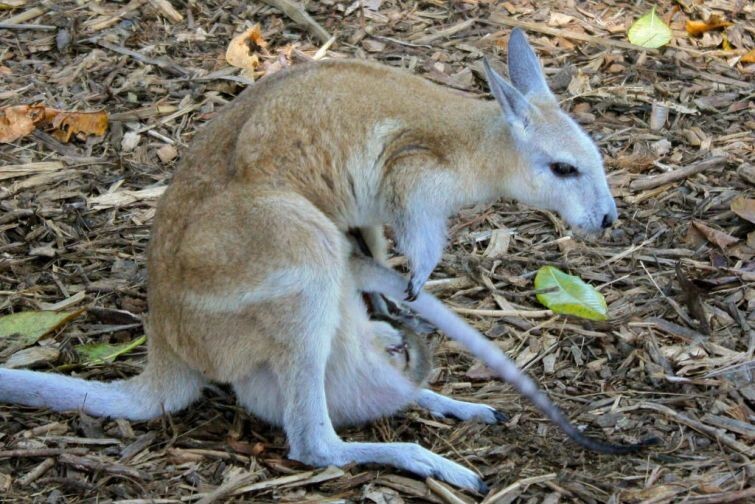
66, 124
242, 51
697, 28
749, 57
726, 44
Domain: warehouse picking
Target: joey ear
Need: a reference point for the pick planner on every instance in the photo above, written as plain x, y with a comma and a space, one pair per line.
514, 104
524, 67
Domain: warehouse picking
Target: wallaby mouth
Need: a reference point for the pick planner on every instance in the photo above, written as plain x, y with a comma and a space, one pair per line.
586, 231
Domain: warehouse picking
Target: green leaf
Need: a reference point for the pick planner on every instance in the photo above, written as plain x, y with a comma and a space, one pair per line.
97, 353
649, 31
27, 327
569, 295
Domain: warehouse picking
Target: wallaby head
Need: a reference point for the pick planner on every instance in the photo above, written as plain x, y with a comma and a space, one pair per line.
559, 167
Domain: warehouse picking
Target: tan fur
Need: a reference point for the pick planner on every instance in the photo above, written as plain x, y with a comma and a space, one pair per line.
267, 187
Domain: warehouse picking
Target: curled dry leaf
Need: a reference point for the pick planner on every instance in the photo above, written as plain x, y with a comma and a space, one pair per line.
21, 120
251, 449
744, 207
242, 51
715, 236
697, 28
749, 57
67, 124
480, 371
692, 296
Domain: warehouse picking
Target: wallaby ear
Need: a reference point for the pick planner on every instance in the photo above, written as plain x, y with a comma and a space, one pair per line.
524, 67
514, 104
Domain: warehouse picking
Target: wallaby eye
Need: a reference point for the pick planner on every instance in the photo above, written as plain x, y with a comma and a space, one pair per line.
564, 170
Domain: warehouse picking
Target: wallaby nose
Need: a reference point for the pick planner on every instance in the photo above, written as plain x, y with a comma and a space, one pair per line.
607, 221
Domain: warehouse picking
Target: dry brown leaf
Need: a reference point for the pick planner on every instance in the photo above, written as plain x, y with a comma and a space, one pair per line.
242, 51
19, 121
697, 28
251, 449
692, 296
167, 153
558, 19
715, 236
32, 356
480, 371
744, 207
749, 57
67, 124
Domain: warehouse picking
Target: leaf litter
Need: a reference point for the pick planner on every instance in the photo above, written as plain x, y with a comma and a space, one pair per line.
674, 125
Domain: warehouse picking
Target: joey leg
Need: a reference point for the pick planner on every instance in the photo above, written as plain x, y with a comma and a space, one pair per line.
442, 406
370, 241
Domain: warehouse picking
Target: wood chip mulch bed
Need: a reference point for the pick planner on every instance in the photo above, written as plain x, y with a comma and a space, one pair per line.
675, 359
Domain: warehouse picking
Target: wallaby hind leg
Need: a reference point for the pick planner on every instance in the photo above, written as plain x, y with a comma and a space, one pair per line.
305, 383
313, 440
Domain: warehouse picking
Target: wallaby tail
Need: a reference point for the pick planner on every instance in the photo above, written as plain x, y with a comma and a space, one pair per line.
375, 278
165, 385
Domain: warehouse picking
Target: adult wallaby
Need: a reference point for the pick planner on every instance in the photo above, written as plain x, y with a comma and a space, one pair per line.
251, 276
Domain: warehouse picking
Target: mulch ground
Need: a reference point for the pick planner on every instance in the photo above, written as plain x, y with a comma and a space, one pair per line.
675, 359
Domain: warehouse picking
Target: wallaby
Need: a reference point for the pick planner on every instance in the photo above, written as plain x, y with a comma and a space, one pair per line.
252, 280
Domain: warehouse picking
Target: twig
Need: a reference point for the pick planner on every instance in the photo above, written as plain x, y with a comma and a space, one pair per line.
69, 440
26, 15
522, 483
446, 32
96, 465
240, 485
503, 313
42, 452
498, 18
734, 496
164, 62
26, 26
167, 10
673, 176
717, 434
400, 42
36, 473
443, 492
298, 15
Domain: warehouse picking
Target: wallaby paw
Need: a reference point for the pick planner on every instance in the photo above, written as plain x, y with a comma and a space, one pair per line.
466, 411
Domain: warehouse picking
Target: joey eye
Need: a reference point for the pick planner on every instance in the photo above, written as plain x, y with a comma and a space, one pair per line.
564, 170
